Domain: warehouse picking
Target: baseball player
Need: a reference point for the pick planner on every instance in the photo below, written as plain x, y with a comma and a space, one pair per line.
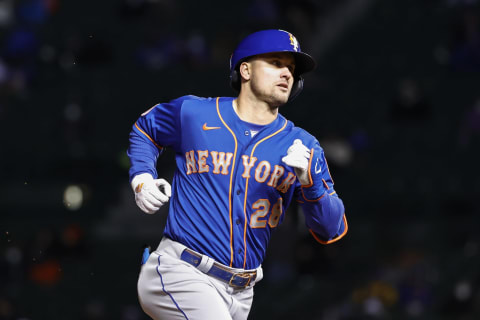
240, 163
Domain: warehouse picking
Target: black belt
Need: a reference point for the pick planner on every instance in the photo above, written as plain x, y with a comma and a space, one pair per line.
234, 279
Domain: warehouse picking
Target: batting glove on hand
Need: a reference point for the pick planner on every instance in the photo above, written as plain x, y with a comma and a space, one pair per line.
148, 196
297, 157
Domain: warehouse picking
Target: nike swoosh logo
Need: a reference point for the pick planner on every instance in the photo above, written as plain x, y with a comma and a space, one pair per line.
205, 127
319, 169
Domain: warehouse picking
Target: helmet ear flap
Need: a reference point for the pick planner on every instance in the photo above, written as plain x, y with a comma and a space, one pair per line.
235, 80
296, 88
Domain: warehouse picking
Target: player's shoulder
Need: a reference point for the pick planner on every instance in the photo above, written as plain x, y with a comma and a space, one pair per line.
294, 132
191, 98
299, 132
196, 101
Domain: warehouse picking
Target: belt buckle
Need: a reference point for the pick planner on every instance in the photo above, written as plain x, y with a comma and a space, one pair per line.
244, 275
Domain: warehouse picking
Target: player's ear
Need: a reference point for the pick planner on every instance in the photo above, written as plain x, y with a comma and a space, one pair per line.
244, 70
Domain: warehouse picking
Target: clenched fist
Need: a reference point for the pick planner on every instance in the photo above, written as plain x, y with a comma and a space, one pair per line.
150, 194
297, 157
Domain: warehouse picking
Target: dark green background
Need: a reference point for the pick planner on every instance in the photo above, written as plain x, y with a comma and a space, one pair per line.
411, 189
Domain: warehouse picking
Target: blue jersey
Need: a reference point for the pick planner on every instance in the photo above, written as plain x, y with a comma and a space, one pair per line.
231, 189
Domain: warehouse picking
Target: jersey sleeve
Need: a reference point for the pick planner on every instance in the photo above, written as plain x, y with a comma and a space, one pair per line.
157, 128
323, 209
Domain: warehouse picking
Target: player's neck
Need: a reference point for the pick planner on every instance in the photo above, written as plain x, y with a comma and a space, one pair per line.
256, 112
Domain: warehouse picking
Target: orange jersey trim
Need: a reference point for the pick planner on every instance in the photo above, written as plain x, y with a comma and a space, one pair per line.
334, 239
246, 193
325, 183
314, 200
328, 169
309, 171
231, 180
146, 135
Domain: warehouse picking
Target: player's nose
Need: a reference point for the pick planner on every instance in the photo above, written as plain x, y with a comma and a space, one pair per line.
286, 73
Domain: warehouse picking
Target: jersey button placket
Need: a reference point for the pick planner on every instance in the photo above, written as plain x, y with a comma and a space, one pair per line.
238, 247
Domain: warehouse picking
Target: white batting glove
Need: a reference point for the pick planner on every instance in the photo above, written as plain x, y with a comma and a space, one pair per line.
297, 157
150, 194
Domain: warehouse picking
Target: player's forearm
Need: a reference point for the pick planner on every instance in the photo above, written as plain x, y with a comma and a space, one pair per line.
143, 156
325, 216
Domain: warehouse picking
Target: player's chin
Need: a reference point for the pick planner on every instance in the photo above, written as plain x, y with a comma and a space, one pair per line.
281, 98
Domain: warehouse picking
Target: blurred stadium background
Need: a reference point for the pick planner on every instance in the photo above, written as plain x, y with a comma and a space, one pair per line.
395, 102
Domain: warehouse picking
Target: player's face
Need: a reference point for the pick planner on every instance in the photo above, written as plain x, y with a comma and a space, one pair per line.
272, 77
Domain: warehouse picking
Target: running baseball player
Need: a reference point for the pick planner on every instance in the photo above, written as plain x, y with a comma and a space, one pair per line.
240, 163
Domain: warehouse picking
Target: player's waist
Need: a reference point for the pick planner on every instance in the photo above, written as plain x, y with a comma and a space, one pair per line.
235, 277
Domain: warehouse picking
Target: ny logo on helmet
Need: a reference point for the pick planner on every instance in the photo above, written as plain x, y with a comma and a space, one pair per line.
293, 42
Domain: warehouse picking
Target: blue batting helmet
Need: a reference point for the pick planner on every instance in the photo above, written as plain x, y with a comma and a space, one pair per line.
267, 41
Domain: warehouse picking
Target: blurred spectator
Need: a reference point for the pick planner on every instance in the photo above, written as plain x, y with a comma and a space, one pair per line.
4, 74
465, 42
460, 300
132, 312
96, 309
6, 13
415, 292
376, 298
30, 36
338, 150
32, 12
20, 47
401, 287
409, 105
7, 310
46, 273
161, 49
360, 140
361, 145
196, 50
470, 127
263, 14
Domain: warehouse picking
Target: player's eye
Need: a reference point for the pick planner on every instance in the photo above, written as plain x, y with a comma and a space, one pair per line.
280, 64
276, 63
